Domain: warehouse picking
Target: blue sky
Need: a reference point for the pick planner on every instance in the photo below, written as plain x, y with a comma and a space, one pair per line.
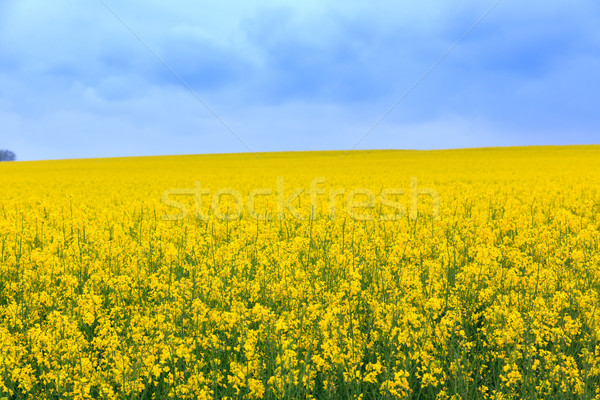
311, 75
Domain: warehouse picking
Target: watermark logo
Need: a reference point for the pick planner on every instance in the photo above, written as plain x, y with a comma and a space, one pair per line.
360, 204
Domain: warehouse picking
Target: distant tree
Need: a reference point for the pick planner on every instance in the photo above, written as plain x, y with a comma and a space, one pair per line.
7, 155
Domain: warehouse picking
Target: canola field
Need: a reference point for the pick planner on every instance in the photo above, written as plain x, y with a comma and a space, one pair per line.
456, 274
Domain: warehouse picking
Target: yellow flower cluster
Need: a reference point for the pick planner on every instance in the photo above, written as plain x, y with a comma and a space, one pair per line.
483, 284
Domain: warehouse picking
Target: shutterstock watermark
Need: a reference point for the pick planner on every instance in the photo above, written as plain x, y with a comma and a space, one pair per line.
360, 204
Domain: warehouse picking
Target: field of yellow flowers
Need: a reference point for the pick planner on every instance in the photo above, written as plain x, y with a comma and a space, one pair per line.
457, 274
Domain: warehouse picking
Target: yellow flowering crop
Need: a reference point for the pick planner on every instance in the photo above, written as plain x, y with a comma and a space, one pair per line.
376, 275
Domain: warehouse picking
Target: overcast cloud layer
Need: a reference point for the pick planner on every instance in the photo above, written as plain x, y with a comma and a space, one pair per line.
75, 82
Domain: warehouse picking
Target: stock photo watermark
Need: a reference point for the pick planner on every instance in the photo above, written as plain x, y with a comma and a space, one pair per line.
360, 204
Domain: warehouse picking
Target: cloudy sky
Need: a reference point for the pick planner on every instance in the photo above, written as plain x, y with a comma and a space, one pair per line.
184, 77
